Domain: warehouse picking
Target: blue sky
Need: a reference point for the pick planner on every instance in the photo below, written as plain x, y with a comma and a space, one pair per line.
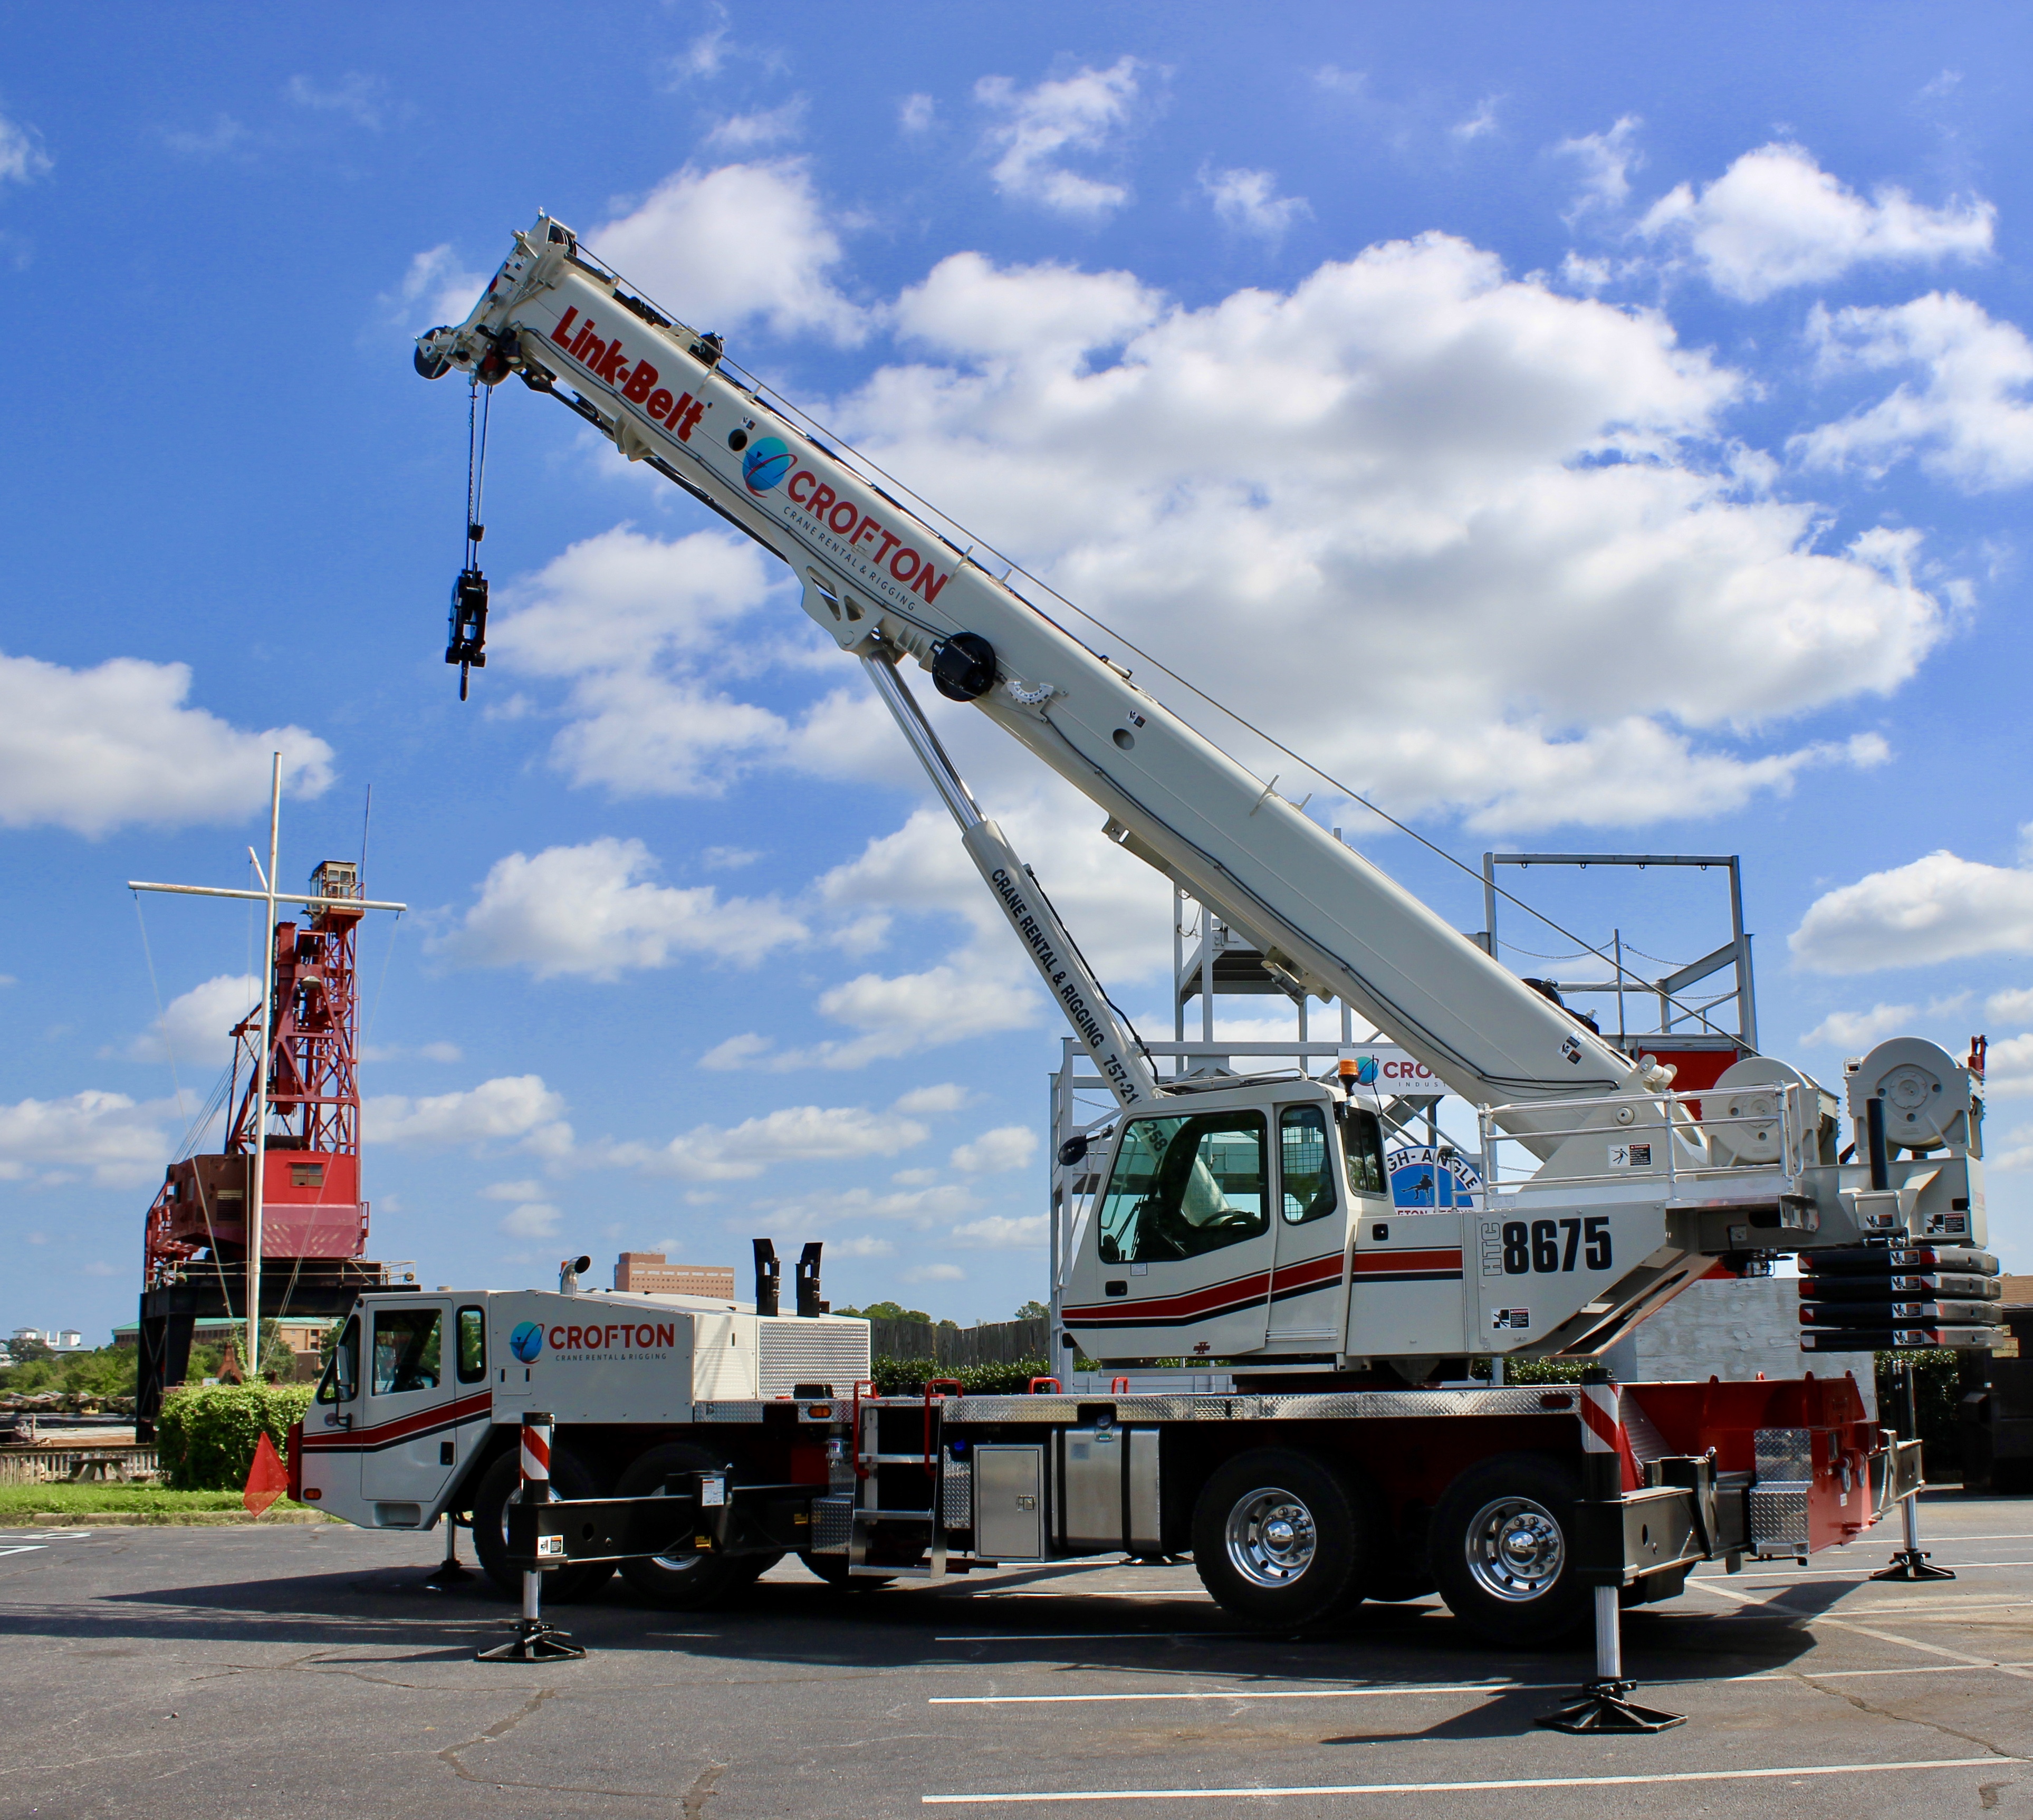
1579, 428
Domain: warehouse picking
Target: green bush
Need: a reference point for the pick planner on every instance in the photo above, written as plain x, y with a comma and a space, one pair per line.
106, 1373
901, 1377
93, 1501
205, 1437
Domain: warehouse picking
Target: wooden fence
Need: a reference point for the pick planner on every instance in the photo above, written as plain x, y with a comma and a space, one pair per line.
998, 1343
40, 1465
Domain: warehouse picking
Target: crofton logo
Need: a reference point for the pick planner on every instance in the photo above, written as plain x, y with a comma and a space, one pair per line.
765, 465
526, 1340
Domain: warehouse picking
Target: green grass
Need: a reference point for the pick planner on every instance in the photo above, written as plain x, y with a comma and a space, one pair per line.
89, 1500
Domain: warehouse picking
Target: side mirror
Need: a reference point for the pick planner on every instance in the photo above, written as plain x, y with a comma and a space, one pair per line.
1073, 1150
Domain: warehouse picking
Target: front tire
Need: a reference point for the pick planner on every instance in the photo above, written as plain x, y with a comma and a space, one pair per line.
569, 1479
683, 1582
1280, 1536
1502, 1549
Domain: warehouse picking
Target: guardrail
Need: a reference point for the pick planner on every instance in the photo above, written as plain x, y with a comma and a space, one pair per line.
1667, 1121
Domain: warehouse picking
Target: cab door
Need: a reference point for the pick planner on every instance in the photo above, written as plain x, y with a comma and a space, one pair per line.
331, 1442
1176, 1260
1405, 1262
407, 1434
1310, 1230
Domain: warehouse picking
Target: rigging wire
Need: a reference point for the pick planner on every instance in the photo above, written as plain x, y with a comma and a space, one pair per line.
162, 1016
479, 404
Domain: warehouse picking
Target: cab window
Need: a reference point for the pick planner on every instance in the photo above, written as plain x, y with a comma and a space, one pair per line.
341, 1382
1183, 1187
1305, 1180
1362, 1145
472, 1345
405, 1350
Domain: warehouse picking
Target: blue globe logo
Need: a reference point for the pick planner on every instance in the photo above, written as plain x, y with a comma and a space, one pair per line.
526, 1340
1365, 1070
766, 464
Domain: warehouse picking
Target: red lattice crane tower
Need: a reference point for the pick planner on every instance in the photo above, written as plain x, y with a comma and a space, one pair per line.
313, 1216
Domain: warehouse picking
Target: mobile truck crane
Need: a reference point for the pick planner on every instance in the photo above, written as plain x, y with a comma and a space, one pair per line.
1245, 1219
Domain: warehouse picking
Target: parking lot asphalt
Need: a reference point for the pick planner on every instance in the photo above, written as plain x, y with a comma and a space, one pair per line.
278, 1673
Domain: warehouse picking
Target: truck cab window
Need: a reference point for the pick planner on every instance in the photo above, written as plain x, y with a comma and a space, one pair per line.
472, 1345
405, 1350
1362, 1144
1305, 1180
1182, 1187
341, 1381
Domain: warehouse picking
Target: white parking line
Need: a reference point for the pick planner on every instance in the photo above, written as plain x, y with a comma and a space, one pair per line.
1102, 1636
1811, 1578
1803, 1770
22, 1549
1243, 1694
1812, 1618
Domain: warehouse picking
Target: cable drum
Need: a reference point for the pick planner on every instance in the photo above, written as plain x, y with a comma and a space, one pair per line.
1744, 1112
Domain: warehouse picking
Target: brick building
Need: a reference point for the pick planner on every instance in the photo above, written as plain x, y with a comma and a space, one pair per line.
650, 1271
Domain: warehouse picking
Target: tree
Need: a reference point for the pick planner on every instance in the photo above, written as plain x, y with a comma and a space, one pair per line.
1031, 1311
890, 1311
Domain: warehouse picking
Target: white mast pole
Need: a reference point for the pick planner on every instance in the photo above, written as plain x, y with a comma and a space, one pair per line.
261, 1066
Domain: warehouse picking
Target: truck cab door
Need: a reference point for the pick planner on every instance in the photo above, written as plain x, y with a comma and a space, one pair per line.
1405, 1261
331, 1442
406, 1433
1310, 1231
1176, 1258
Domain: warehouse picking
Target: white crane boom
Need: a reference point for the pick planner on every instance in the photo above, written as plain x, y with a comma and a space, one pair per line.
883, 581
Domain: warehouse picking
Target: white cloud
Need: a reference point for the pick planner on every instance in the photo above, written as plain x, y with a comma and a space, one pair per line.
1249, 199
741, 1051
922, 1209
363, 99
446, 1052
2009, 1075
1940, 908
914, 1177
902, 1013
194, 1029
224, 134
770, 126
793, 1134
1007, 1147
728, 858
589, 911
1411, 466
915, 114
1854, 1032
514, 1109
935, 1273
22, 157
1076, 113
1969, 420
743, 244
1606, 160
525, 1190
1340, 81
98, 749
2013, 1007
628, 620
1479, 124
437, 289
1775, 218
1002, 1232
537, 1219
946, 1096
121, 1143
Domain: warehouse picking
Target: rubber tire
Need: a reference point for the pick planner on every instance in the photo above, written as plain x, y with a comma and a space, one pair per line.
700, 1582
1331, 1581
570, 1478
1553, 1616
832, 1570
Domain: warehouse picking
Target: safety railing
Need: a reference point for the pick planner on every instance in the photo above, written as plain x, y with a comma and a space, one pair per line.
1648, 1136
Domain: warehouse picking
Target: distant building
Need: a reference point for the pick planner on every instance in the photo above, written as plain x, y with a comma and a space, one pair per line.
299, 1336
650, 1271
57, 1339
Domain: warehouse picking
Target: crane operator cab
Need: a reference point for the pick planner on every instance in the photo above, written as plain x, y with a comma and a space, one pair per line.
1224, 1225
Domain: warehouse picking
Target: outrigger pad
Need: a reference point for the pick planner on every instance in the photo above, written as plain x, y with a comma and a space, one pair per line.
1909, 1564
535, 1642
1603, 1708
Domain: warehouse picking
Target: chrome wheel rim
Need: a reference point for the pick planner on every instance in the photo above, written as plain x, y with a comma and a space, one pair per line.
1272, 1537
1515, 1549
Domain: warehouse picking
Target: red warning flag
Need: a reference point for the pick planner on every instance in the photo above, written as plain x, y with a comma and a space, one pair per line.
267, 1478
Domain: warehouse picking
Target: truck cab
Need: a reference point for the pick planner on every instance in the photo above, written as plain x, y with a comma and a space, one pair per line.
1226, 1226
